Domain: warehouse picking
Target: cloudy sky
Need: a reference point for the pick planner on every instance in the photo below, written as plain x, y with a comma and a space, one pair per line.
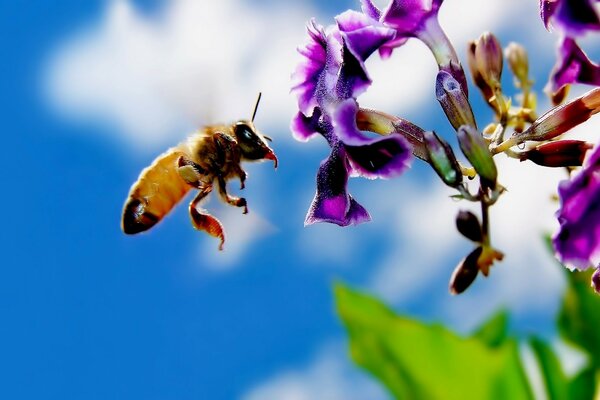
94, 90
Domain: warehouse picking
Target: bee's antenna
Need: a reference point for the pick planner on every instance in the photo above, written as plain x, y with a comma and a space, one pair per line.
256, 106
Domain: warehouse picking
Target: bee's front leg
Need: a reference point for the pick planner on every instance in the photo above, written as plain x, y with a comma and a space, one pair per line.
242, 175
234, 201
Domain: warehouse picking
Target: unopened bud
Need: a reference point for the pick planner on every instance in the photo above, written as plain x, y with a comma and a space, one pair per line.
562, 118
475, 148
441, 157
596, 280
453, 100
478, 79
562, 153
468, 224
466, 272
488, 57
516, 55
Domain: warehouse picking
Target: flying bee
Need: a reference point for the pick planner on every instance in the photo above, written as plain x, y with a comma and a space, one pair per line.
208, 158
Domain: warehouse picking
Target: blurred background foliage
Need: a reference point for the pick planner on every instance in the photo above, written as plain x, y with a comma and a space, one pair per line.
414, 360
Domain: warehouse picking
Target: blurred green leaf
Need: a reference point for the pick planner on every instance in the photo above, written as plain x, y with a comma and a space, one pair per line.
419, 361
583, 385
555, 381
579, 317
494, 332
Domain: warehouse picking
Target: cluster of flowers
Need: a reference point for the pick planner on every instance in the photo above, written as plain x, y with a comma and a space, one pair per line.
332, 75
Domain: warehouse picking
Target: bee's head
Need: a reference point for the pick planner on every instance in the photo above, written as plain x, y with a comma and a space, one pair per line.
253, 145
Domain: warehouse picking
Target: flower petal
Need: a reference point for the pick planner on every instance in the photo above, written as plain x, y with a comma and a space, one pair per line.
370, 9
573, 66
409, 16
574, 17
309, 70
363, 35
332, 203
303, 128
382, 157
577, 243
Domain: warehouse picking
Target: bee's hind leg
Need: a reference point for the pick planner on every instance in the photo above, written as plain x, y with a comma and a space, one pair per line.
202, 220
193, 174
234, 201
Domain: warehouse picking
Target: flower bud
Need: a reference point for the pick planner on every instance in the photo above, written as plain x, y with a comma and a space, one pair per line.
476, 150
488, 58
596, 280
468, 225
466, 272
562, 118
441, 157
478, 79
516, 55
453, 100
562, 153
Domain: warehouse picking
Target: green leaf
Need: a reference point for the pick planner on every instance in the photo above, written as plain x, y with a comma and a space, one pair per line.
583, 385
555, 381
579, 317
418, 361
494, 332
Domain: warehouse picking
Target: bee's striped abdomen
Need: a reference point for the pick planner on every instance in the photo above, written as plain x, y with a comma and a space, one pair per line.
154, 194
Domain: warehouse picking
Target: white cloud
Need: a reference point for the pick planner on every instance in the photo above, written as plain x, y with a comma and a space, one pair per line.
194, 63
329, 376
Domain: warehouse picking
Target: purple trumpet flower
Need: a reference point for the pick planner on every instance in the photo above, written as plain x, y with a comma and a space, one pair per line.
577, 242
418, 19
328, 80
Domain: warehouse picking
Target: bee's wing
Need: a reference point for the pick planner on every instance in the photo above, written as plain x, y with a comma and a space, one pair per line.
154, 194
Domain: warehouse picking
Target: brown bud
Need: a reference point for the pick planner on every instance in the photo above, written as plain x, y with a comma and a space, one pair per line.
468, 225
562, 153
466, 272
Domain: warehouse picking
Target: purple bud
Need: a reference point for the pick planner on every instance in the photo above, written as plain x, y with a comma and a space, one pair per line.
466, 272
563, 118
475, 148
453, 100
477, 77
468, 225
488, 58
562, 153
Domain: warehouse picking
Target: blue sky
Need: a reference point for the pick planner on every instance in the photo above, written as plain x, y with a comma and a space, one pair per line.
90, 313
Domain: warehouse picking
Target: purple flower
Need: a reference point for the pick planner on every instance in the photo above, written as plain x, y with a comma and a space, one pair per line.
577, 242
573, 17
573, 66
329, 78
409, 18
418, 19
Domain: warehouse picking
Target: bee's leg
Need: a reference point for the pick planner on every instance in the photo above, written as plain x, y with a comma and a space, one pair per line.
234, 201
202, 220
242, 175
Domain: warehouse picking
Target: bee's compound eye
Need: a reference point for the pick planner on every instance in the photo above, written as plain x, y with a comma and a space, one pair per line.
247, 134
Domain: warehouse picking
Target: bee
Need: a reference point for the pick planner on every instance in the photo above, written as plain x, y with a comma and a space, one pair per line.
207, 159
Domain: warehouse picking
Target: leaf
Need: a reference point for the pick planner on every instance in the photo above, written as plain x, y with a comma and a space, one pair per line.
418, 361
579, 317
494, 332
555, 381
583, 385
